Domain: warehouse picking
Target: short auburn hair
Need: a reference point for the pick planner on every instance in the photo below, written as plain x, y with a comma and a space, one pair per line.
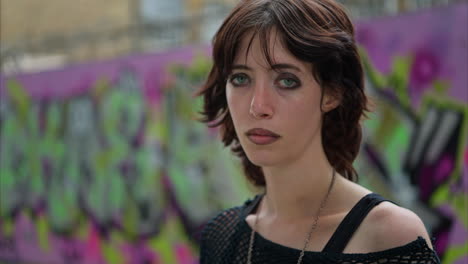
314, 31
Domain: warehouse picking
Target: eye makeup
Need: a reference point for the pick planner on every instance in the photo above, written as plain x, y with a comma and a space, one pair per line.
283, 80
239, 79
287, 81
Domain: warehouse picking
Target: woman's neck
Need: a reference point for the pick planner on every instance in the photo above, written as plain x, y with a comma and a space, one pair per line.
297, 190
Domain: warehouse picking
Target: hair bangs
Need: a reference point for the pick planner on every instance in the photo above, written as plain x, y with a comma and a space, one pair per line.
251, 30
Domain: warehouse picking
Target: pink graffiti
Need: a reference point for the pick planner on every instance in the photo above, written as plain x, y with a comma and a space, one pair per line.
93, 246
139, 252
443, 169
184, 255
425, 68
434, 174
466, 156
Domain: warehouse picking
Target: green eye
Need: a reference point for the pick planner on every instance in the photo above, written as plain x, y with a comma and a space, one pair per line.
288, 83
239, 79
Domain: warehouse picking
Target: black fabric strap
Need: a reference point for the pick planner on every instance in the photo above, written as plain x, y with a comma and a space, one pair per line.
250, 205
351, 222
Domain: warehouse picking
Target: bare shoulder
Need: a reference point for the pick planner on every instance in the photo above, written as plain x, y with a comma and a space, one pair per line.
390, 226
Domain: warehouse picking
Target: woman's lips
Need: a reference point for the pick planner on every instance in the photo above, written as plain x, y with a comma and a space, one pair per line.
262, 140
261, 136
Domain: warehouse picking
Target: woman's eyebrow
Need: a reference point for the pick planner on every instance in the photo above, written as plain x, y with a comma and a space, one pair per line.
241, 67
279, 66
285, 66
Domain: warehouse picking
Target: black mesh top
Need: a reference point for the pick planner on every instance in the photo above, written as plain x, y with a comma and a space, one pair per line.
225, 239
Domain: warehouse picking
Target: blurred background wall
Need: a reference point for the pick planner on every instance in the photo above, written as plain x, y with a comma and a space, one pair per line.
101, 160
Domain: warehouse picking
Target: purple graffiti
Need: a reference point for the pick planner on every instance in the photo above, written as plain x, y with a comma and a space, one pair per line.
425, 69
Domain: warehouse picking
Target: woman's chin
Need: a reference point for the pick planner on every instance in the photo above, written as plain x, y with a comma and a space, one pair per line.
263, 161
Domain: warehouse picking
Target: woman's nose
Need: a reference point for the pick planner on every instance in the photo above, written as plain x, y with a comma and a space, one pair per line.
261, 106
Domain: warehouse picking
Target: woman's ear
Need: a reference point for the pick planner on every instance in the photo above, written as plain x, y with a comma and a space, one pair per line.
330, 101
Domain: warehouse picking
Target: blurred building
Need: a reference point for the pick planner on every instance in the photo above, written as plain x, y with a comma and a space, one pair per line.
38, 35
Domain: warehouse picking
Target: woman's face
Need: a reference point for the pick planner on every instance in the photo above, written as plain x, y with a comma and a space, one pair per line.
276, 110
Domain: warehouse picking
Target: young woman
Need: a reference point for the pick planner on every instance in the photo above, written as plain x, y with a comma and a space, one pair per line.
287, 91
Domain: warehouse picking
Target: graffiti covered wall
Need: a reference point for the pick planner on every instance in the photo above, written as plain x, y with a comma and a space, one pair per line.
415, 148
103, 163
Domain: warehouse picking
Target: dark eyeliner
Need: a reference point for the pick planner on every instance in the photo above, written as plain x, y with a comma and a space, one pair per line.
291, 77
236, 75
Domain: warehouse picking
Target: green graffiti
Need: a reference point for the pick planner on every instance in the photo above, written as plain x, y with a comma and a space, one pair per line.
105, 163
43, 231
112, 254
20, 99
455, 253
391, 131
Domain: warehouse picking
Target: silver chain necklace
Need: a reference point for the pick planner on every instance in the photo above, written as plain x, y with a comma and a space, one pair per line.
314, 225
